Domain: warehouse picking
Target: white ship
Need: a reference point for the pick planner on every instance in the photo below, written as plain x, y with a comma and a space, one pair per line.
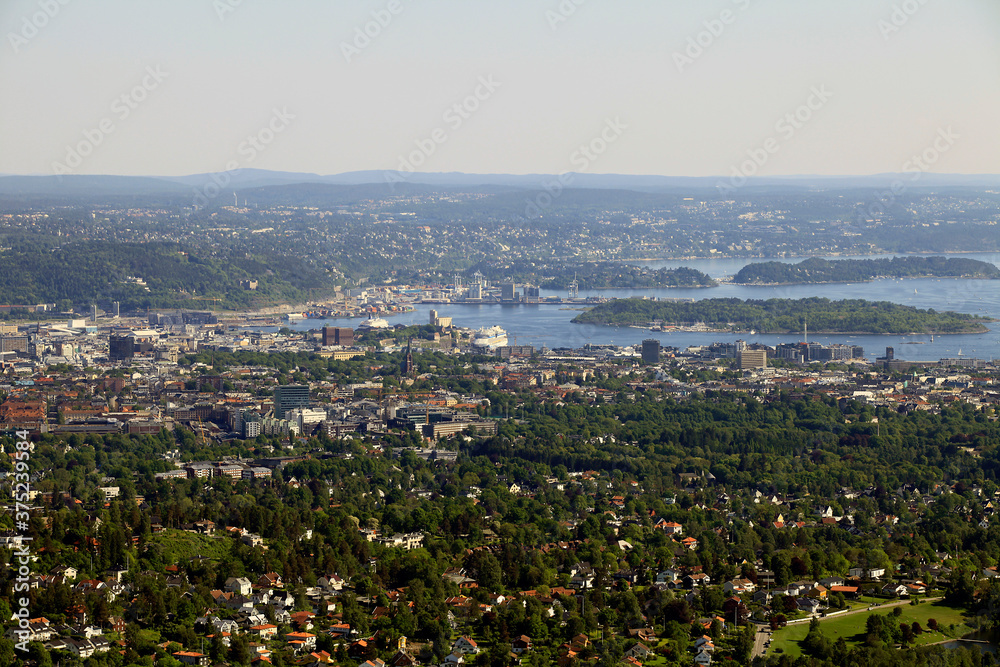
491, 337
374, 323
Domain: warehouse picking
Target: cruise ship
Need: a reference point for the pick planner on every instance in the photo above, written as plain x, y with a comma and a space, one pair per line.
491, 337
374, 323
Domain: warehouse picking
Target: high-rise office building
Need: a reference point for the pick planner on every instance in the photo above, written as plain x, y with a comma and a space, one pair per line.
121, 347
289, 396
338, 336
752, 358
14, 344
651, 351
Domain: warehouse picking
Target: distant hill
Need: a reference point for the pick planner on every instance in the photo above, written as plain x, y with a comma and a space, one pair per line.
816, 270
149, 275
70, 185
255, 178
246, 178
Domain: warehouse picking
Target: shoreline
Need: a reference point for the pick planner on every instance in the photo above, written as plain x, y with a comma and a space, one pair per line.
806, 256
854, 282
597, 289
787, 333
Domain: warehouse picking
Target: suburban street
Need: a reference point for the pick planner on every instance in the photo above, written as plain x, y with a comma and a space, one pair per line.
762, 635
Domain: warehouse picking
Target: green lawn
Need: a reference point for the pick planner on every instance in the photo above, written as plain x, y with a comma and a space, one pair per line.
179, 545
852, 627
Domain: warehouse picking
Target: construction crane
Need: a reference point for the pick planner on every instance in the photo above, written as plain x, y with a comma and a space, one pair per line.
574, 287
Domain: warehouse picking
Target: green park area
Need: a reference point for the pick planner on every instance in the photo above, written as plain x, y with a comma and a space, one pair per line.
950, 622
180, 546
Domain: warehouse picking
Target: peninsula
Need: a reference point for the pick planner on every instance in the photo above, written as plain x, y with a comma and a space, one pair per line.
816, 270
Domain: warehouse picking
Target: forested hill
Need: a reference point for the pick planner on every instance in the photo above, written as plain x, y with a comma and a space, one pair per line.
784, 316
816, 270
557, 275
610, 275
148, 275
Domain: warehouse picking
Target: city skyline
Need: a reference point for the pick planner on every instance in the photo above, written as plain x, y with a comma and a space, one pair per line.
731, 89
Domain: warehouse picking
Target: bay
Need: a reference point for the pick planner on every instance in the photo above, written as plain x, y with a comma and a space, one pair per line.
550, 326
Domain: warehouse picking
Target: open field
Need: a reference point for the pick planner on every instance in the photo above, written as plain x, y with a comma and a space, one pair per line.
179, 545
852, 626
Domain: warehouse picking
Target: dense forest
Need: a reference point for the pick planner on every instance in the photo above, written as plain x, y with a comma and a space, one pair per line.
808, 447
817, 270
148, 275
784, 315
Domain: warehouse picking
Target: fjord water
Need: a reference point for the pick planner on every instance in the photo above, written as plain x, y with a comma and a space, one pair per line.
549, 325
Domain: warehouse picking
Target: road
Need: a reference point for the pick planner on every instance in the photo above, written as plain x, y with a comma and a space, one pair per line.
763, 634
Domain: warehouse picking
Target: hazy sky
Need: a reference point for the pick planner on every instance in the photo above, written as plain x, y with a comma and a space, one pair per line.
669, 87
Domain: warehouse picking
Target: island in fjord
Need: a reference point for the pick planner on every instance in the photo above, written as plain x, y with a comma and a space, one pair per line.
817, 270
850, 316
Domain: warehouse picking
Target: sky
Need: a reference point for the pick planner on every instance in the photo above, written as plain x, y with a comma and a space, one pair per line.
670, 87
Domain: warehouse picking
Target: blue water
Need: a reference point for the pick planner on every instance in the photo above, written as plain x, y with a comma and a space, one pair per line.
549, 325
984, 648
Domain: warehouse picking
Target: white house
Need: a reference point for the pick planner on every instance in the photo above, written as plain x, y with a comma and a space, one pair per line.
704, 643
239, 585
737, 586
639, 651
673, 528
465, 645
225, 625
331, 583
